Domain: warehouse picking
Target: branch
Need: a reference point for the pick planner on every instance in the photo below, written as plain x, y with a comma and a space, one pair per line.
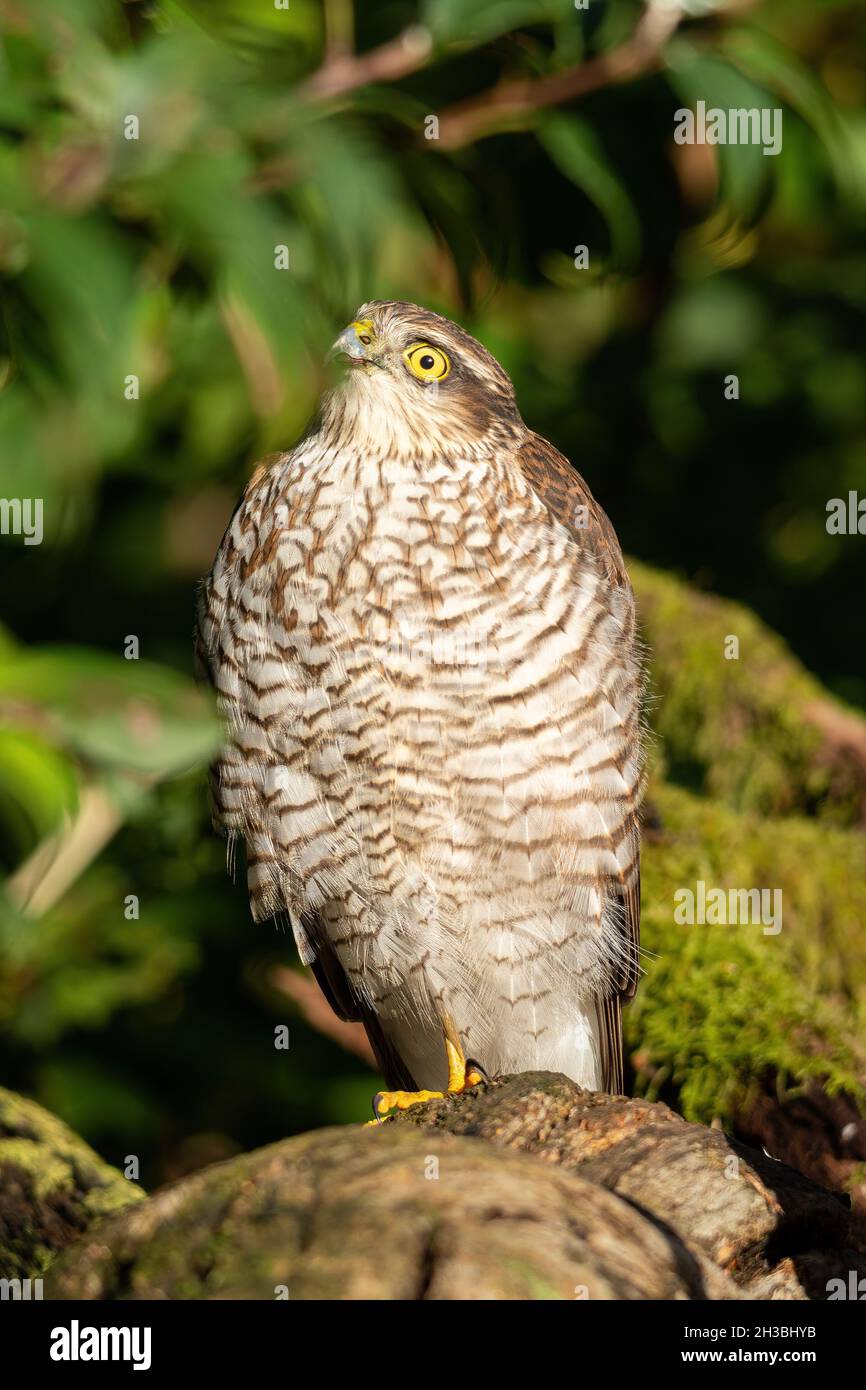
344, 72
54, 865
339, 29
546, 1192
475, 117
315, 1008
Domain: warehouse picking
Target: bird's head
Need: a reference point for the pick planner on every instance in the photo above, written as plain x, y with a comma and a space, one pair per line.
418, 385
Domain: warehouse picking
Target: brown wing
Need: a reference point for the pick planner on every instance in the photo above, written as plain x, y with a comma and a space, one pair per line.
564, 493
568, 499
332, 981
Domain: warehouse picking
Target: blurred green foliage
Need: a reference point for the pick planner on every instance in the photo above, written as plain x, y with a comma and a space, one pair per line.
157, 258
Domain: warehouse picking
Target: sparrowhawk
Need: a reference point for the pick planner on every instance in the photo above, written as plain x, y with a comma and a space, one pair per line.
422, 638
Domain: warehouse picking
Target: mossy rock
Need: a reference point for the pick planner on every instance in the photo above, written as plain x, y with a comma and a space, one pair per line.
757, 732
721, 1008
52, 1187
758, 780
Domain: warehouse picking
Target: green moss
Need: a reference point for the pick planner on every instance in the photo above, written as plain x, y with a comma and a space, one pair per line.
722, 1007
53, 1187
47, 1172
753, 786
742, 730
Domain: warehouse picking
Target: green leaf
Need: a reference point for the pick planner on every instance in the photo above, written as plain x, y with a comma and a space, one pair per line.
81, 279
574, 148
37, 784
784, 73
131, 714
259, 25
450, 20
744, 170
711, 325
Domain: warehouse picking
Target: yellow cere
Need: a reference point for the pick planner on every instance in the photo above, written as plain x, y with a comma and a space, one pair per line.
426, 362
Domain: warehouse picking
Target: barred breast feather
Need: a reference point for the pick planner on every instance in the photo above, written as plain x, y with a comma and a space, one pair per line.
431, 685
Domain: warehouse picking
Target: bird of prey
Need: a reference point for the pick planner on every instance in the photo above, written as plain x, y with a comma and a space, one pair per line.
422, 639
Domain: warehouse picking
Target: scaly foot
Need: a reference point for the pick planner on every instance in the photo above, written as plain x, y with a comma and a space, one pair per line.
462, 1074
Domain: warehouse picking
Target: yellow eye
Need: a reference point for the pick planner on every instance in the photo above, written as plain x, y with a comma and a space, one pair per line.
426, 362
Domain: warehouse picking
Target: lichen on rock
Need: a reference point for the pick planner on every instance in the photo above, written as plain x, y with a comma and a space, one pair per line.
53, 1187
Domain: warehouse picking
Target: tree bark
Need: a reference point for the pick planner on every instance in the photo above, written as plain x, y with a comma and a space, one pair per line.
527, 1188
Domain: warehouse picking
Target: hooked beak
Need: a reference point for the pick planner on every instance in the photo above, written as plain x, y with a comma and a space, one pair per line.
356, 343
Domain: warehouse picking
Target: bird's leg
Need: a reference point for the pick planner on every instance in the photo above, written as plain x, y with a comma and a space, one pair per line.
462, 1074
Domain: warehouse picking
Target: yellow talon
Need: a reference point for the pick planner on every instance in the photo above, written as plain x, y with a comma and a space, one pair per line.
461, 1075
401, 1100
